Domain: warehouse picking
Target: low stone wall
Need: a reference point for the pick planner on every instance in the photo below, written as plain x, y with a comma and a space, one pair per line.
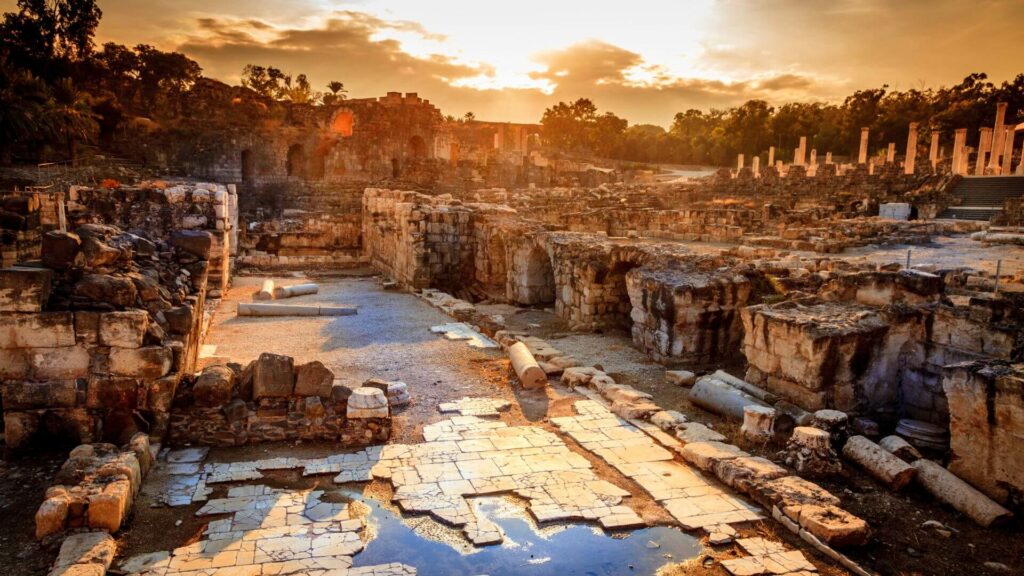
95, 488
271, 400
93, 340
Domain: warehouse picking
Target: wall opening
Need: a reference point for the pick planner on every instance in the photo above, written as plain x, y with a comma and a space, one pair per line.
417, 148
540, 279
296, 162
248, 166
342, 123
613, 309
395, 170
318, 165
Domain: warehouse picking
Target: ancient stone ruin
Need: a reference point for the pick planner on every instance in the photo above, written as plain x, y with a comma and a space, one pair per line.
436, 315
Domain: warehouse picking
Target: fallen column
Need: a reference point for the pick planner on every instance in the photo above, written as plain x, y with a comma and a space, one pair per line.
255, 309
758, 423
526, 368
266, 292
900, 448
759, 393
296, 290
716, 396
945, 486
878, 462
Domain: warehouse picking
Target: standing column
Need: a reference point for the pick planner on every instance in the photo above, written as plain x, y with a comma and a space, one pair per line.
771, 155
958, 151
998, 135
933, 151
862, 156
1008, 132
739, 163
828, 157
803, 151
890, 153
911, 157
755, 166
984, 146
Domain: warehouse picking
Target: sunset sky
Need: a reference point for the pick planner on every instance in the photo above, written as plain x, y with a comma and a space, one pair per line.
642, 59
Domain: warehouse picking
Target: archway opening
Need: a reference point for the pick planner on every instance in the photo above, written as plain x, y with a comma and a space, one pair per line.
395, 169
539, 284
613, 310
342, 123
248, 166
296, 161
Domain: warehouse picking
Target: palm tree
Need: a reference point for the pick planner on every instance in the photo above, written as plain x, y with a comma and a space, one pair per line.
70, 116
337, 94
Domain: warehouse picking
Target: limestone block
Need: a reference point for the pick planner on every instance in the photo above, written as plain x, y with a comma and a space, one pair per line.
578, 376
758, 423
833, 525
398, 394
742, 473
40, 330
52, 514
124, 329
160, 393
107, 509
634, 409
313, 379
148, 362
14, 364
197, 243
63, 363
25, 395
139, 445
214, 387
668, 420
273, 376
24, 289
59, 249
705, 455
87, 327
19, 427
680, 377
86, 549
179, 319
697, 432
107, 289
312, 408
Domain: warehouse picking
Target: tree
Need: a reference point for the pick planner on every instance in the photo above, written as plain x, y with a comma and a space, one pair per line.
23, 99
47, 36
469, 117
336, 93
69, 116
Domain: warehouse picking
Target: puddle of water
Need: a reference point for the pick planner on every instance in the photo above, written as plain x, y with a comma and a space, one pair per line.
564, 549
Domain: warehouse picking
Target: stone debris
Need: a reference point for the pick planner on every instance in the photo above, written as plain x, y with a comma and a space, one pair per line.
463, 331
85, 554
809, 451
269, 531
482, 407
878, 462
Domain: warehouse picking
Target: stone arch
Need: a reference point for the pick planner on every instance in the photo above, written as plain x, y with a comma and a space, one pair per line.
295, 164
417, 148
537, 284
343, 122
248, 166
318, 164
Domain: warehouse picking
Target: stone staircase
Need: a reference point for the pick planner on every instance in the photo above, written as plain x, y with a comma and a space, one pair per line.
982, 197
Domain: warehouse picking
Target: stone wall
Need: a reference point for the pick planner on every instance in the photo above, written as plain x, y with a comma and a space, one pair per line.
271, 400
986, 406
94, 339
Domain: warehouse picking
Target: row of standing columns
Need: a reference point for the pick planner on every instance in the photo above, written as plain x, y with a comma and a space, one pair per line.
994, 156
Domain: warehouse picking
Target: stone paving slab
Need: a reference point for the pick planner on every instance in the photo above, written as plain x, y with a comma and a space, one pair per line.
269, 531
463, 331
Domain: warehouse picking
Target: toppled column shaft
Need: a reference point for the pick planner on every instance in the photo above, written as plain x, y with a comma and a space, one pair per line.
526, 368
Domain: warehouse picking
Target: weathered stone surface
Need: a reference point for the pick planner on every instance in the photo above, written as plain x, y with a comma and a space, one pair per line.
107, 509
21, 395
179, 319
705, 455
124, 329
63, 363
52, 514
149, 362
42, 330
313, 379
96, 548
833, 525
367, 402
879, 463
107, 289
24, 289
273, 376
214, 386
680, 377
59, 249
197, 243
